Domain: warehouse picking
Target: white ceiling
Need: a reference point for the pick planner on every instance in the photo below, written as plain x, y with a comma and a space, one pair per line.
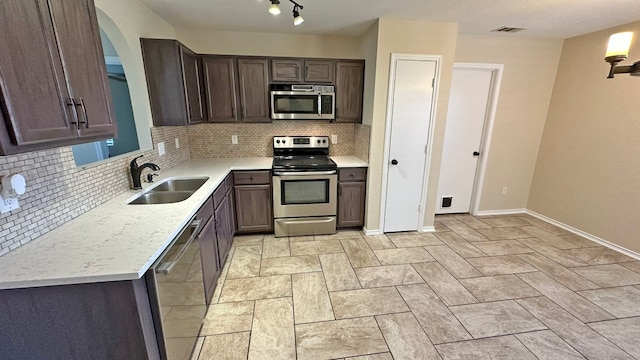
543, 18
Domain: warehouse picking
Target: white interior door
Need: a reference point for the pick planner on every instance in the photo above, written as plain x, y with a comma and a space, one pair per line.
411, 99
467, 114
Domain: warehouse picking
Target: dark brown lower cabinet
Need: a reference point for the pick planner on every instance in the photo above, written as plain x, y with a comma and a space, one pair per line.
211, 266
352, 189
224, 232
253, 201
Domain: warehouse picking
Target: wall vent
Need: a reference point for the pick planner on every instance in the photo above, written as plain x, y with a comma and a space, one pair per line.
508, 29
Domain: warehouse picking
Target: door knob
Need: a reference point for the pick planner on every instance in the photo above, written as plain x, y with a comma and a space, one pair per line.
475, 153
394, 162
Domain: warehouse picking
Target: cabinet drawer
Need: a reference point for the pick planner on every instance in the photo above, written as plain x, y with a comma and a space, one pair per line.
352, 174
206, 211
252, 177
218, 194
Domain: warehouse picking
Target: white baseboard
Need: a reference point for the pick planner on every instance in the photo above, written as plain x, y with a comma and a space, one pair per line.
500, 212
585, 235
371, 232
428, 229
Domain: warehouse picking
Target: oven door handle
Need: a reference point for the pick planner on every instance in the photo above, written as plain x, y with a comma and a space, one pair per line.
306, 173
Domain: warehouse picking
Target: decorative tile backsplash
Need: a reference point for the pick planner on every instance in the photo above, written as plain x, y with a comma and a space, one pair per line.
58, 190
254, 140
361, 140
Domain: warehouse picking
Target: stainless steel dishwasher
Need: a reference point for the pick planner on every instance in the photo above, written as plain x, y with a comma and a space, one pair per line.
176, 291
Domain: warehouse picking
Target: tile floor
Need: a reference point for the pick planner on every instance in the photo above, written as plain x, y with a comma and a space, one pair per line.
508, 287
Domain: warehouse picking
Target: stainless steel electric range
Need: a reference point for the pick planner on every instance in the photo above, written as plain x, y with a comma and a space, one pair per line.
304, 186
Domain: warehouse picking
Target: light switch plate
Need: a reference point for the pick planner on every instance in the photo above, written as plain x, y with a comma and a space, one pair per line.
161, 148
234, 139
177, 143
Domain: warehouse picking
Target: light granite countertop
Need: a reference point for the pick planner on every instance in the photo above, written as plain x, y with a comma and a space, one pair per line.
116, 241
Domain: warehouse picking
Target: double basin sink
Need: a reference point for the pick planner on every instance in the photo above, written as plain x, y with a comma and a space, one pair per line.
170, 191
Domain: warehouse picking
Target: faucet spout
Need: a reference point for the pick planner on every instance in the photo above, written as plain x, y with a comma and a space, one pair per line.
136, 171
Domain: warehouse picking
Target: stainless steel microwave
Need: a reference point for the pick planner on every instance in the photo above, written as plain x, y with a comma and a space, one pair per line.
303, 102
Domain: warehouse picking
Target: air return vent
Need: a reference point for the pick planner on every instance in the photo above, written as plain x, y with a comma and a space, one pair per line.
508, 29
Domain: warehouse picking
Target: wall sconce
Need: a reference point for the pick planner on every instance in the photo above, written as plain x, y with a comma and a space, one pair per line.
274, 9
618, 50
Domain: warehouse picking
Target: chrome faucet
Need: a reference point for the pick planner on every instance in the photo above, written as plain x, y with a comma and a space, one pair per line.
136, 171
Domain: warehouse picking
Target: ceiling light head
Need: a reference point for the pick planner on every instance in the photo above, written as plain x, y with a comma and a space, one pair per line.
618, 50
297, 19
274, 9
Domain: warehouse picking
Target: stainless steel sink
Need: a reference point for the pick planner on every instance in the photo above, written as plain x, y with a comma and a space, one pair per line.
161, 197
192, 184
170, 191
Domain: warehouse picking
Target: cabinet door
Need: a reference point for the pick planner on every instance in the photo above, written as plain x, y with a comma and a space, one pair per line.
254, 211
349, 89
76, 28
220, 88
222, 231
191, 73
286, 70
318, 71
253, 76
34, 93
209, 257
351, 197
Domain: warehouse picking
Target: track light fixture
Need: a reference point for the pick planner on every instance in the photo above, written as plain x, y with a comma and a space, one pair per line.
274, 9
618, 50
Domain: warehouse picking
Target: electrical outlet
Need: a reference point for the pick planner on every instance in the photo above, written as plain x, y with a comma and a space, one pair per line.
177, 143
504, 190
161, 148
234, 139
334, 139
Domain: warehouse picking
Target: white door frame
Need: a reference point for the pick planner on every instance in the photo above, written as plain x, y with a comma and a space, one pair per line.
487, 129
387, 132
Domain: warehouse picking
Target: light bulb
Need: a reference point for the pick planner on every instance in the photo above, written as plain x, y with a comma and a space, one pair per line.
619, 44
274, 9
297, 19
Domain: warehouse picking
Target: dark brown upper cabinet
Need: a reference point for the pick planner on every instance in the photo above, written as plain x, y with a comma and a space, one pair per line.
253, 81
349, 90
55, 89
318, 71
220, 80
174, 81
286, 70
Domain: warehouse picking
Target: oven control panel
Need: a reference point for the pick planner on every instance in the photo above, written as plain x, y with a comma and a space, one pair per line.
292, 142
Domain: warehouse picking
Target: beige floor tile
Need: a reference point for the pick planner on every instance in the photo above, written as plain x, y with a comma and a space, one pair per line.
315, 247
434, 316
311, 298
245, 262
391, 275
456, 265
444, 284
228, 347
504, 221
495, 318
579, 241
506, 233
228, 318
247, 240
472, 221
223, 277
405, 337
382, 356
290, 265
501, 265
366, 302
558, 272
275, 247
440, 227
560, 256
623, 332
413, 239
256, 288
379, 242
620, 301
609, 275
504, 347
599, 256
548, 237
548, 346
461, 246
341, 234
465, 231
573, 331
545, 226
634, 266
504, 247
403, 256
569, 300
272, 334
338, 272
301, 238
501, 287
359, 253
341, 338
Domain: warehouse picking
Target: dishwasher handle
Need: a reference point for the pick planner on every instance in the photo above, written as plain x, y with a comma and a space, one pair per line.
165, 267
